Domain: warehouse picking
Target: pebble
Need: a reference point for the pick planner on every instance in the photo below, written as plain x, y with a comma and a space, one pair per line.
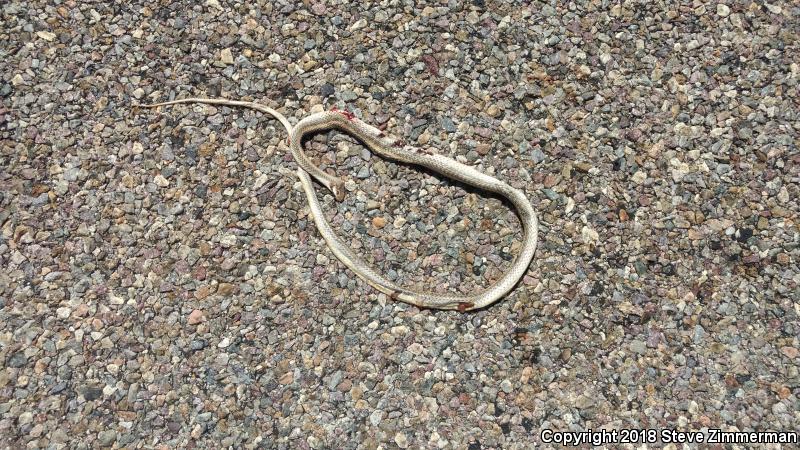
363, 173
25, 418
401, 440
160, 181
226, 56
327, 90
107, 438
378, 222
537, 155
335, 379
17, 360
46, 35
195, 317
359, 24
638, 346
448, 125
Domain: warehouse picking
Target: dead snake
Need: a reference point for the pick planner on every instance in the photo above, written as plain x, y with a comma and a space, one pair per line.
394, 149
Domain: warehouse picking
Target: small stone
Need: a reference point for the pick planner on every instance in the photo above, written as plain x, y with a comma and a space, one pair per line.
589, 235
359, 24
17, 360
319, 8
585, 402
226, 289
537, 155
71, 174
160, 181
81, 310
723, 10
743, 234
376, 417
790, 352
204, 417
227, 241
344, 386
638, 346
639, 177
699, 334
401, 440
287, 378
378, 222
222, 359
202, 292
448, 125
493, 111
37, 430
356, 393
46, 35
424, 138
348, 95
226, 56
25, 418
195, 317
416, 348
335, 379
783, 195
314, 442
327, 90
92, 393
506, 386
107, 437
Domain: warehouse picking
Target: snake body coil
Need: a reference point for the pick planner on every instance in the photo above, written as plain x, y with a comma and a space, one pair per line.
391, 148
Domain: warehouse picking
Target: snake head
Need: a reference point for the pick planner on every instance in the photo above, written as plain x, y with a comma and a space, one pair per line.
337, 189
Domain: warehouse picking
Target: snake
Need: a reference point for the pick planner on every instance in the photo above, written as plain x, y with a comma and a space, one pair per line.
397, 150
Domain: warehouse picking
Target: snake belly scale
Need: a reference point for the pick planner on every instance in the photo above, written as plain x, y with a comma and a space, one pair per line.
393, 149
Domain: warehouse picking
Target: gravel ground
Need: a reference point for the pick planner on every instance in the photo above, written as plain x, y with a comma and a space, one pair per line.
163, 285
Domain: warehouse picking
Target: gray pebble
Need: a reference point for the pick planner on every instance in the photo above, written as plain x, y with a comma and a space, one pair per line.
107, 437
